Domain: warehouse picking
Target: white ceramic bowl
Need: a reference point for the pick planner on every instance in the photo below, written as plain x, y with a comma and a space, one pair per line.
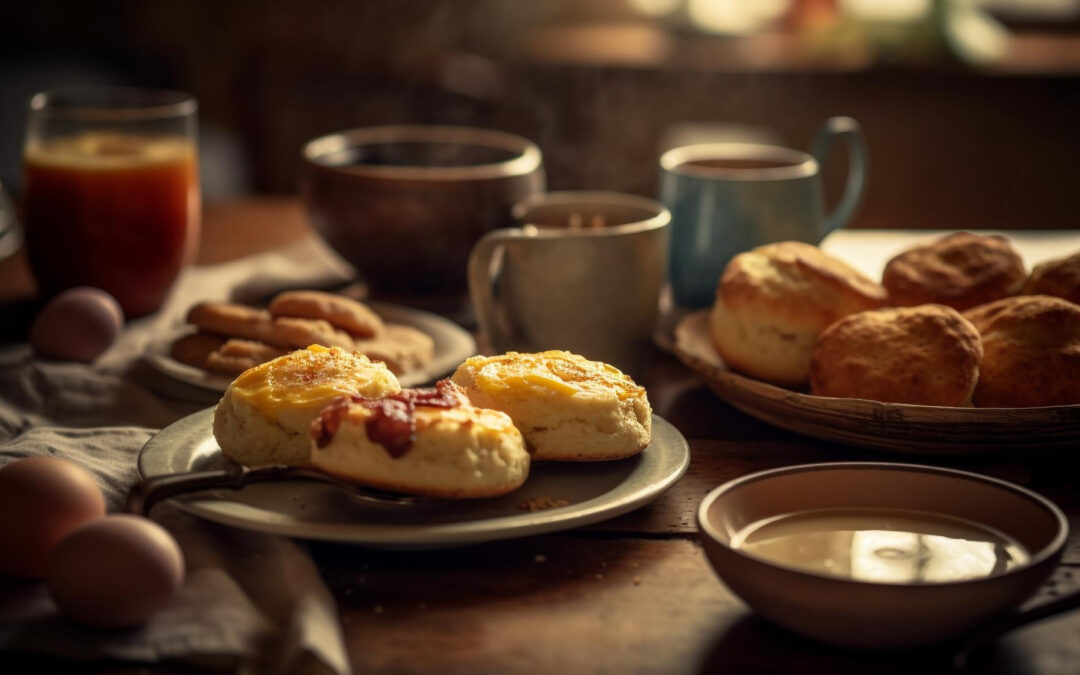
875, 615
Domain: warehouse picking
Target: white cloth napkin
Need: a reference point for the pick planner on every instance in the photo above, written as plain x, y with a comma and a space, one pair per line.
251, 602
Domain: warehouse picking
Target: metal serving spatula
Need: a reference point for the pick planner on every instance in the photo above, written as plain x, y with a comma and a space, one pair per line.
233, 476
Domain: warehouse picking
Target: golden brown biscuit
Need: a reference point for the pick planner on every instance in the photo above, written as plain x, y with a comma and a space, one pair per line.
1032, 352
349, 315
960, 270
193, 348
925, 355
421, 441
774, 301
236, 355
293, 333
266, 413
401, 348
567, 407
234, 320
1060, 278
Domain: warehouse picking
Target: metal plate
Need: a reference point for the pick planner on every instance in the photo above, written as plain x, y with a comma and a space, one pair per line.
310, 510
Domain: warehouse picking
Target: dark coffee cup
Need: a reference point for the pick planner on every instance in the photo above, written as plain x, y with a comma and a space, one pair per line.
405, 204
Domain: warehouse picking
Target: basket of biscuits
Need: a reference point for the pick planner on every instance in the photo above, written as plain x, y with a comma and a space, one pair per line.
956, 350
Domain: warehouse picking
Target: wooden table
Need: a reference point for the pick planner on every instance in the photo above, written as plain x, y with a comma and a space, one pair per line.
634, 594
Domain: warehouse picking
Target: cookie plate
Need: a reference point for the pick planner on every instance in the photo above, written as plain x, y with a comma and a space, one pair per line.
453, 344
595, 491
895, 427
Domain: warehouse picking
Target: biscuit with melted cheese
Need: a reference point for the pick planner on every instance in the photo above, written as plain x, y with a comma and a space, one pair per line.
567, 407
266, 413
421, 442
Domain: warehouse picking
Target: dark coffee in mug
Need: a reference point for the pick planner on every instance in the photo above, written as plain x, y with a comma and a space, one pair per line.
736, 163
584, 216
404, 153
578, 220
726, 198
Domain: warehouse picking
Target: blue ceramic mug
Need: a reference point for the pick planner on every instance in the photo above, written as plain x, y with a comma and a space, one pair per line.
726, 198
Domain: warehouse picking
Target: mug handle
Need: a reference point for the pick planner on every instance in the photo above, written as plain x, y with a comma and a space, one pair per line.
482, 277
848, 129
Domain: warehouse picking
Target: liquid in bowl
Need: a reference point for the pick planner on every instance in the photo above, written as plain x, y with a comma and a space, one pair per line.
882, 545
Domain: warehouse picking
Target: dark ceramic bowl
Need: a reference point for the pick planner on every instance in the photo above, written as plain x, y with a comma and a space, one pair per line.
879, 614
405, 204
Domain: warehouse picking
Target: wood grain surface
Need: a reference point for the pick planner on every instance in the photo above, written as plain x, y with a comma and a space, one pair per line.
634, 595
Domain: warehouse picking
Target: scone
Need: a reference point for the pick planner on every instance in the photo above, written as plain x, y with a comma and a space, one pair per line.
772, 303
428, 442
925, 355
567, 407
1032, 352
960, 270
1060, 278
266, 413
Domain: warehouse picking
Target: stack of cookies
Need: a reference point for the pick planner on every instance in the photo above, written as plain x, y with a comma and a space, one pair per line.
230, 337
956, 322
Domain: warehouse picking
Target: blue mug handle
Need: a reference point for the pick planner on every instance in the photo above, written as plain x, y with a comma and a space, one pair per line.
849, 130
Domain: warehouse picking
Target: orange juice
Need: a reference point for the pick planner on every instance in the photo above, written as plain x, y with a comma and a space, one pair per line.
116, 211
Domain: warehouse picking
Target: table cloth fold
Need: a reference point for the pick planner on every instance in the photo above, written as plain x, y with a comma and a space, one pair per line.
250, 602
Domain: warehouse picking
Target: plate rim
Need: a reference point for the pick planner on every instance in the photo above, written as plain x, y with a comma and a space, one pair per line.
156, 354
410, 536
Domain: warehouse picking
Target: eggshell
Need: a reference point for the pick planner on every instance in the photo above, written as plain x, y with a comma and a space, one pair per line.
42, 499
77, 325
115, 572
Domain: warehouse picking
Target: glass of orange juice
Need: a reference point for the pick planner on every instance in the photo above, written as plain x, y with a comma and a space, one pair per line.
111, 191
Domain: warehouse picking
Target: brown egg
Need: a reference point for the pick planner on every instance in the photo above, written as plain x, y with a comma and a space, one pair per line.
77, 325
115, 572
42, 499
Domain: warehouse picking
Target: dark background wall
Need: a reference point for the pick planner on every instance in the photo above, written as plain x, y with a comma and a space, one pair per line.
601, 89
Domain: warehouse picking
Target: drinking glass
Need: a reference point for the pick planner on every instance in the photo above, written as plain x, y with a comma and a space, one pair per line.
111, 191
